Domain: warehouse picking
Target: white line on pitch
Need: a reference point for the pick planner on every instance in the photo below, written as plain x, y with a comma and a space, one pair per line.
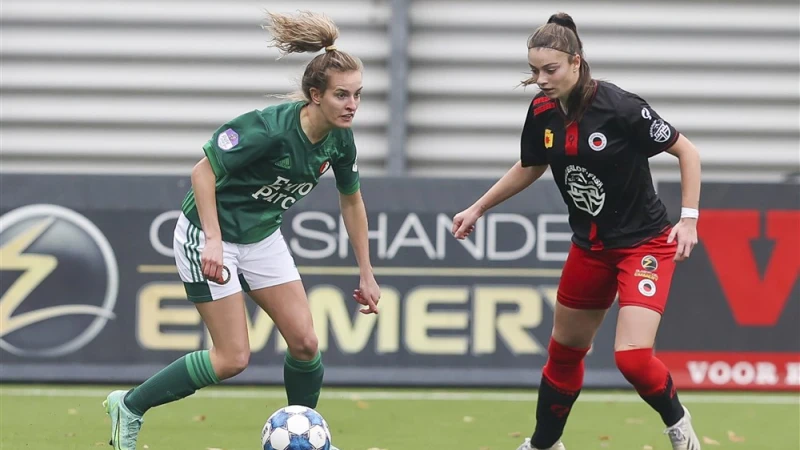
592, 397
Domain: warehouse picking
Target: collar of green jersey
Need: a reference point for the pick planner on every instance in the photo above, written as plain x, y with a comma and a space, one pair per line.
302, 133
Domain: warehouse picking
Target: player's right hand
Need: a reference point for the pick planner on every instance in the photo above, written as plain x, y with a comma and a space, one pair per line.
211, 261
464, 222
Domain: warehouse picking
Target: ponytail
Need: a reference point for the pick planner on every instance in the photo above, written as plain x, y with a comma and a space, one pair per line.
309, 32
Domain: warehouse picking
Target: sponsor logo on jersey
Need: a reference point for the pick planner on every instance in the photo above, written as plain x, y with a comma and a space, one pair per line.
649, 263
645, 274
228, 139
324, 167
659, 131
283, 192
548, 138
585, 189
48, 248
597, 141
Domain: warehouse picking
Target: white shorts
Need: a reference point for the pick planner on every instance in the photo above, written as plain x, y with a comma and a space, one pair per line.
249, 266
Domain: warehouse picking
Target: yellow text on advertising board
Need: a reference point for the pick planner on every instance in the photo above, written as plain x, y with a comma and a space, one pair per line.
477, 319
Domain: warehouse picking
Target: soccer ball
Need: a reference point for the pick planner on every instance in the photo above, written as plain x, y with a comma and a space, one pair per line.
296, 428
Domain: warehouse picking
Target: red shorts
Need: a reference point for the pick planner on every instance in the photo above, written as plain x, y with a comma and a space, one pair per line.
642, 275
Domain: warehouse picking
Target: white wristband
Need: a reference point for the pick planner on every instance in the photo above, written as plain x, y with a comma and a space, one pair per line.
690, 213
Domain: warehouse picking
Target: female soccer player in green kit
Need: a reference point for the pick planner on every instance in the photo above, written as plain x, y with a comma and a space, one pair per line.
228, 238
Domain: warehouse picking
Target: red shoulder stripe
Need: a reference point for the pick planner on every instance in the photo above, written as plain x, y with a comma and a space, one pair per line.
539, 100
543, 108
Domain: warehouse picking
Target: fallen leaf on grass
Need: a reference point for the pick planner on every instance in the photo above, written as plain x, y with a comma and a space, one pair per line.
70, 435
647, 447
200, 418
734, 438
634, 421
709, 441
362, 404
515, 434
468, 419
72, 412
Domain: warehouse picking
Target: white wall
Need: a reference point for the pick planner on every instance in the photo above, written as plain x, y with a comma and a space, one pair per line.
724, 73
139, 86
133, 85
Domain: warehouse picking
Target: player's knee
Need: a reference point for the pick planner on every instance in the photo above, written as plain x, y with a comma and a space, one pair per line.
633, 363
576, 328
565, 355
234, 363
620, 347
304, 348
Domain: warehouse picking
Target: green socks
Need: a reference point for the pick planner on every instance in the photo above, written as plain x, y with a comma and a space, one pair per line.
174, 382
303, 380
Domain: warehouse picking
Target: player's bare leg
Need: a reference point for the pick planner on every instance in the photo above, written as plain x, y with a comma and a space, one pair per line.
633, 350
576, 328
562, 377
287, 305
225, 319
227, 323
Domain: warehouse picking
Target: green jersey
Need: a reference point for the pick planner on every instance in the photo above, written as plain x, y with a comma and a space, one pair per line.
264, 163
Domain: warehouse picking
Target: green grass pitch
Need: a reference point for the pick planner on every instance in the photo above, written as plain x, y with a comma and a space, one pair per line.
230, 418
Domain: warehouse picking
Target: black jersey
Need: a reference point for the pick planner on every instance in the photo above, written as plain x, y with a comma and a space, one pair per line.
600, 165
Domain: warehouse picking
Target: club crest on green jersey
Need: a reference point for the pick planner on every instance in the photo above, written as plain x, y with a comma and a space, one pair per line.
324, 167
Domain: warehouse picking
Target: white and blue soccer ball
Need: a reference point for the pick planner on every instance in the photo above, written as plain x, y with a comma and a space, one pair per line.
296, 428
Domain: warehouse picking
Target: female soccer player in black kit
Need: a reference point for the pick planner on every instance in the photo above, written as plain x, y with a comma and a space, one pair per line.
597, 138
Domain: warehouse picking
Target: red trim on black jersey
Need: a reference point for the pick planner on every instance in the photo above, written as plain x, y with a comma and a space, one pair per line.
543, 108
597, 244
571, 140
542, 99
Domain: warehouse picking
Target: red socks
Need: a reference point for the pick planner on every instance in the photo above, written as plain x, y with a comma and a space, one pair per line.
564, 367
644, 371
561, 383
651, 379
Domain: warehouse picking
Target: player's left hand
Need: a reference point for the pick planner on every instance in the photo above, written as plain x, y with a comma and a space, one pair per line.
368, 294
686, 234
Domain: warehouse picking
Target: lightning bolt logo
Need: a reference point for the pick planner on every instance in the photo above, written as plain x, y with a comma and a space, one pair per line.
36, 268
